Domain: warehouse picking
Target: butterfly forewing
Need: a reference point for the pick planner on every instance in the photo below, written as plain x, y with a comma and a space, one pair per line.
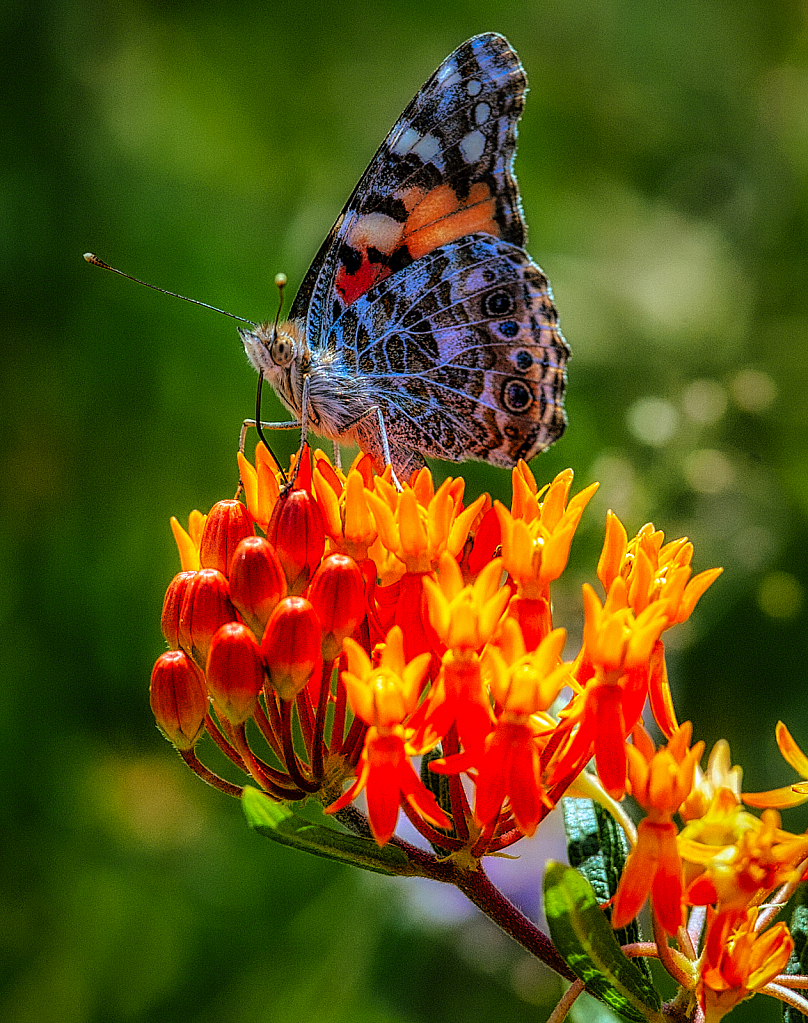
444, 171
422, 318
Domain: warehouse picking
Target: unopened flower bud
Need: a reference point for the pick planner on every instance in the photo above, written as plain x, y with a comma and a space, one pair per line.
235, 671
205, 606
337, 593
291, 646
170, 620
227, 524
178, 698
296, 532
257, 581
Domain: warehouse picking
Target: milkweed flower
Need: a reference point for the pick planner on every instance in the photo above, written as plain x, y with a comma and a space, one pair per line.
743, 965
387, 627
523, 685
654, 573
385, 696
660, 780
612, 671
536, 537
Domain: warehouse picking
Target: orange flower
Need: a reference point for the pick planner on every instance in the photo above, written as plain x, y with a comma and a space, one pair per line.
742, 859
613, 666
660, 780
653, 572
524, 685
464, 617
537, 534
384, 697
416, 525
346, 512
748, 961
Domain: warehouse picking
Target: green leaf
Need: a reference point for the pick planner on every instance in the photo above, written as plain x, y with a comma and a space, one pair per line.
598, 849
278, 822
581, 933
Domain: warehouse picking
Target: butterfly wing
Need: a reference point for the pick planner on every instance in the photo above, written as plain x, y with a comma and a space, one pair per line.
462, 354
444, 171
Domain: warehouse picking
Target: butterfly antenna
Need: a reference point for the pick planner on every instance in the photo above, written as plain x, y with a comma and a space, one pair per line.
280, 284
92, 258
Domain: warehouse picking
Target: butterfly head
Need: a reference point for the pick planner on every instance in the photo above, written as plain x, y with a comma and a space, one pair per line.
272, 348
279, 351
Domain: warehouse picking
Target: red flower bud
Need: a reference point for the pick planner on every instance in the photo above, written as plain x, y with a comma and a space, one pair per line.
235, 671
170, 620
205, 606
291, 646
297, 533
227, 524
257, 581
337, 594
178, 698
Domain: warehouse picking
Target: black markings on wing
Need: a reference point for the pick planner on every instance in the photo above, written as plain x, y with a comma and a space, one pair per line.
443, 137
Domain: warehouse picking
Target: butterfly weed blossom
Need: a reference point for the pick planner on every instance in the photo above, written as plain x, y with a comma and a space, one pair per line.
347, 641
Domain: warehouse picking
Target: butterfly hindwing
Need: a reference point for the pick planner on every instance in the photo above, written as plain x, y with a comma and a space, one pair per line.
444, 171
462, 354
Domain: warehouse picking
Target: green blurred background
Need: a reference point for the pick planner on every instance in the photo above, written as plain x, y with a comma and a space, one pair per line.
206, 146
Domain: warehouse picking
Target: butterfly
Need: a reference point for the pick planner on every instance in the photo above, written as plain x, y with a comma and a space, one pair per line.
423, 328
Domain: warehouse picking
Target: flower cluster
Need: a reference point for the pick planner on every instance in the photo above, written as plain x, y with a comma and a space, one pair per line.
325, 635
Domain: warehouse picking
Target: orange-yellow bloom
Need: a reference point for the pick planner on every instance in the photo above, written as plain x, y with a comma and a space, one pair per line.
758, 858
346, 513
384, 695
464, 617
537, 534
416, 525
613, 666
524, 685
653, 572
659, 780
744, 964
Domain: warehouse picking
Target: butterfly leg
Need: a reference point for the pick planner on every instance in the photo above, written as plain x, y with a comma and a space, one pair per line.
368, 433
250, 423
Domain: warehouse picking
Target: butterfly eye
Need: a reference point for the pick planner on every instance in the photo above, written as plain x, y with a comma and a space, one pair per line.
282, 350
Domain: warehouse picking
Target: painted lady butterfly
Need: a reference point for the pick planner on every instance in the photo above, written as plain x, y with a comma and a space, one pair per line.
423, 327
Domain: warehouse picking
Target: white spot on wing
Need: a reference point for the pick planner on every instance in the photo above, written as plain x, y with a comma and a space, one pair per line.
448, 76
375, 230
482, 112
404, 143
472, 146
428, 148
473, 87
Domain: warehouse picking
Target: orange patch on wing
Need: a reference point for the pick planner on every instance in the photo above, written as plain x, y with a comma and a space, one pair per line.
440, 218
